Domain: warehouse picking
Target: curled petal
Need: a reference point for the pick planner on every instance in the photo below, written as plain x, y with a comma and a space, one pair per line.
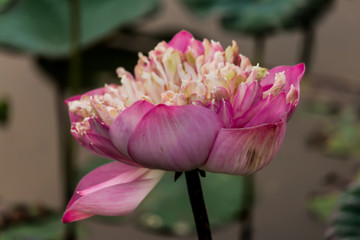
226, 113
113, 189
273, 112
246, 96
245, 150
103, 147
124, 125
175, 138
293, 75
268, 110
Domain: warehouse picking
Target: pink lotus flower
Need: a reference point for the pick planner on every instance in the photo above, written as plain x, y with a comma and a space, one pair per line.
190, 105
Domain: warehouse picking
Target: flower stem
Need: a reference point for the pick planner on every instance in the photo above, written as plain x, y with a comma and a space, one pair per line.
308, 45
198, 205
246, 218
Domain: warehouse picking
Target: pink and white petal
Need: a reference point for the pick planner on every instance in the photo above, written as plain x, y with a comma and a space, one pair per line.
181, 41
113, 189
293, 76
273, 112
174, 138
245, 150
98, 91
125, 123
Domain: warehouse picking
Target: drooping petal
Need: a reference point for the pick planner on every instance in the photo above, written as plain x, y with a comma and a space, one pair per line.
245, 150
175, 138
124, 125
293, 75
113, 189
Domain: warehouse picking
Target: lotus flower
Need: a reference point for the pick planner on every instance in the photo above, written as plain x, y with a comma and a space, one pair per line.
190, 105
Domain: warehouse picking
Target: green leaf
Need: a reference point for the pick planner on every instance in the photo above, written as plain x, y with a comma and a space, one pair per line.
346, 222
167, 209
42, 26
48, 229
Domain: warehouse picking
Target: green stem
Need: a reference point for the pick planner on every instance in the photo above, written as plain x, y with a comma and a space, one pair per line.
74, 82
246, 218
75, 48
198, 205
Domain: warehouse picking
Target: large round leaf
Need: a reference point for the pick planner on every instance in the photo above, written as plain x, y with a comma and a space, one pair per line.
43, 27
167, 209
261, 16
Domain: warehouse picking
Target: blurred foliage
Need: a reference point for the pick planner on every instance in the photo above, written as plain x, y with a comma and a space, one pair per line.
346, 221
323, 205
339, 134
6, 5
24, 222
49, 229
42, 26
167, 209
261, 17
4, 111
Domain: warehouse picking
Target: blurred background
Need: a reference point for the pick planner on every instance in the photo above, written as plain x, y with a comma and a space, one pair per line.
52, 49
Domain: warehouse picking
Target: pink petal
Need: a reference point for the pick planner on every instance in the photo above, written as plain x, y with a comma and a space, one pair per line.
113, 189
293, 76
181, 41
246, 96
124, 124
245, 150
175, 138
